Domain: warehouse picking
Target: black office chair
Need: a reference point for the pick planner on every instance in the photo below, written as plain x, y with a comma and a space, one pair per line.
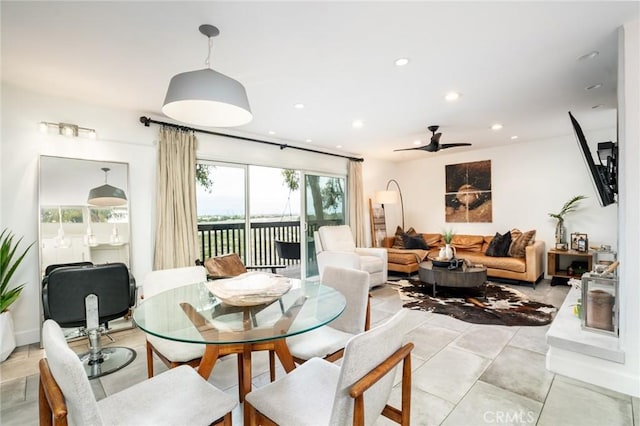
88, 296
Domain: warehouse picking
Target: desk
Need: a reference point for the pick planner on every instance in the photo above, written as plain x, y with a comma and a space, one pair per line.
192, 314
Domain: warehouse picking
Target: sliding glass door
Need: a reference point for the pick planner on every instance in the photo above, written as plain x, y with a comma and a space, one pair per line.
255, 211
324, 204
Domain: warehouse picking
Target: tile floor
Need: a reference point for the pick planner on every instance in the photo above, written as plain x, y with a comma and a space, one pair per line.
463, 374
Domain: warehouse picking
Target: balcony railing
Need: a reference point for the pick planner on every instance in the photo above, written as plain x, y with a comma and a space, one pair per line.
216, 239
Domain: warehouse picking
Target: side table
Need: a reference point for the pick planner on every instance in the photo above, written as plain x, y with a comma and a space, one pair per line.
559, 261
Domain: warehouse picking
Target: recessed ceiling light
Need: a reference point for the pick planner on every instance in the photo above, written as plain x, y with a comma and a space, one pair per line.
338, 146
401, 62
593, 86
308, 140
589, 55
298, 106
597, 106
357, 124
452, 96
271, 132
496, 126
514, 137
417, 142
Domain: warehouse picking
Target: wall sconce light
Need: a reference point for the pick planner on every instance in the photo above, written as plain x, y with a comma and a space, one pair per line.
390, 197
67, 129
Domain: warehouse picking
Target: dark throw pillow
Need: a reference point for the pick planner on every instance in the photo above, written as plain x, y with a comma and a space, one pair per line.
414, 242
499, 246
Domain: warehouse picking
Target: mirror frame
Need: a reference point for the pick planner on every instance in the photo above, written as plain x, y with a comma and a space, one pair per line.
111, 241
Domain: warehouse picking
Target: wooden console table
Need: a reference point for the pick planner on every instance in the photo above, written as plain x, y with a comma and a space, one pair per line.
559, 260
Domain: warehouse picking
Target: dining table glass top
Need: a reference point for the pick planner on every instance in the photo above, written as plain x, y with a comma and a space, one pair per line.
191, 313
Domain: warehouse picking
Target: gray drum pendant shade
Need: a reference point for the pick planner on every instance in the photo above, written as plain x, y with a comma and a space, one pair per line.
106, 195
207, 97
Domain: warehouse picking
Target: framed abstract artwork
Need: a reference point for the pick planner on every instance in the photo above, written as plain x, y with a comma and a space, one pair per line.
468, 192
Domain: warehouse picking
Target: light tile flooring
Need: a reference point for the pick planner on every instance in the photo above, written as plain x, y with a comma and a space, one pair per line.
463, 374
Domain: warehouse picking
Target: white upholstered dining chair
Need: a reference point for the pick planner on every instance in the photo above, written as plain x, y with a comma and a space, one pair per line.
328, 341
334, 246
170, 352
177, 396
322, 393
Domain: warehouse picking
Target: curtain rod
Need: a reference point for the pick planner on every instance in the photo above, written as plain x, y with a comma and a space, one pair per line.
147, 120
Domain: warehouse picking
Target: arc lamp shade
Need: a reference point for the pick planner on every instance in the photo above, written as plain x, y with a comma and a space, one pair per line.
207, 98
386, 197
107, 196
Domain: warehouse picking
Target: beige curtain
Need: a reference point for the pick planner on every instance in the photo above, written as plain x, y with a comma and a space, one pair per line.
356, 203
176, 221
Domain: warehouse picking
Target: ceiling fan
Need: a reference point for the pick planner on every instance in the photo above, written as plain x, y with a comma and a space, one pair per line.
434, 145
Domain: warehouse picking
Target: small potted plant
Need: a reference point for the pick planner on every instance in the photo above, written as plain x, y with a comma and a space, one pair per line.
447, 251
569, 206
9, 262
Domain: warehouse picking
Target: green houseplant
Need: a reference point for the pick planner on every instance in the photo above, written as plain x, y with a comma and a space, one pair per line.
569, 206
10, 259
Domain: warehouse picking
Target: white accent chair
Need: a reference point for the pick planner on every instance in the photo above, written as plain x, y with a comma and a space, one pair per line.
322, 393
177, 396
335, 247
170, 352
328, 342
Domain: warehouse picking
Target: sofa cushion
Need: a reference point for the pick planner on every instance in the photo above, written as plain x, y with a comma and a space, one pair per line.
398, 242
519, 241
514, 264
433, 240
499, 245
468, 242
414, 242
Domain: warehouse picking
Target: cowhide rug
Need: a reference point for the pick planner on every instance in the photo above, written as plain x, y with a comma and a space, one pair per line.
499, 305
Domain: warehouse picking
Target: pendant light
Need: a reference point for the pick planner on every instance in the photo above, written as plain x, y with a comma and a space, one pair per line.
106, 195
207, 97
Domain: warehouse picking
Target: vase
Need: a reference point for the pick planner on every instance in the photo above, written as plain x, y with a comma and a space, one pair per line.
561, 232
448, 251
7, 338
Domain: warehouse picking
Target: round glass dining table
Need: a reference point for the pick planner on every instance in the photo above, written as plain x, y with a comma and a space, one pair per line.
192, 314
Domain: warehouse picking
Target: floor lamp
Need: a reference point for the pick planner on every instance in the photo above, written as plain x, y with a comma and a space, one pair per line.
390, 197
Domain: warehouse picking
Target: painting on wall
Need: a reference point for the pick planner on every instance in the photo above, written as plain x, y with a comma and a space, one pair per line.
468, 192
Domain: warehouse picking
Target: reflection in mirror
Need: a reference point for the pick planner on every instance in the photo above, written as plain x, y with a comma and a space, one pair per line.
71, 229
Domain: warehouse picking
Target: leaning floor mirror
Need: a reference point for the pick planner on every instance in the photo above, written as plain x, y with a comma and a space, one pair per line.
84, 216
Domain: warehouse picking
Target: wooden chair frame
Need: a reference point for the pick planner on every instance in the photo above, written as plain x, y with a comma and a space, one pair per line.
401, 416
53, 408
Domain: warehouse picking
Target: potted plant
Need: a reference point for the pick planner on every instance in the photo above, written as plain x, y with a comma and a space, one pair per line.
569, 206
9, 262
447, 252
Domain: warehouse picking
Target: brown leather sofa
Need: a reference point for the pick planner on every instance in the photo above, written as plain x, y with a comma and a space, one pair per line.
471, 247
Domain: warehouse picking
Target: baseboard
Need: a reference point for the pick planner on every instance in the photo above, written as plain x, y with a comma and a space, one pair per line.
27, 337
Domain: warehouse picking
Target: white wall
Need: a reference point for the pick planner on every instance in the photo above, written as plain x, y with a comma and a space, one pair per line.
120, 139
529, 180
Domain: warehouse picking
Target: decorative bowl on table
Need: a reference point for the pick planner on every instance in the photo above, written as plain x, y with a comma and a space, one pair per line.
250, 288
440, 262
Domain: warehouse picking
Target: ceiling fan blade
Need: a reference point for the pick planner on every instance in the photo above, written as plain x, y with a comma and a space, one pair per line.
408, 149
453, 145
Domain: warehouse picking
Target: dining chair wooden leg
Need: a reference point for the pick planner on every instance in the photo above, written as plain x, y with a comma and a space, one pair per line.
272, 365
149, 360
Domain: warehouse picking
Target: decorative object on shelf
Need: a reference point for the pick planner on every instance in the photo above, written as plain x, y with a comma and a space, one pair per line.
390, 197
206, 97
579, 242
106, 195
10, 260
569, 206
67, 129
600, 297
603, 258
250, 288
562, 246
